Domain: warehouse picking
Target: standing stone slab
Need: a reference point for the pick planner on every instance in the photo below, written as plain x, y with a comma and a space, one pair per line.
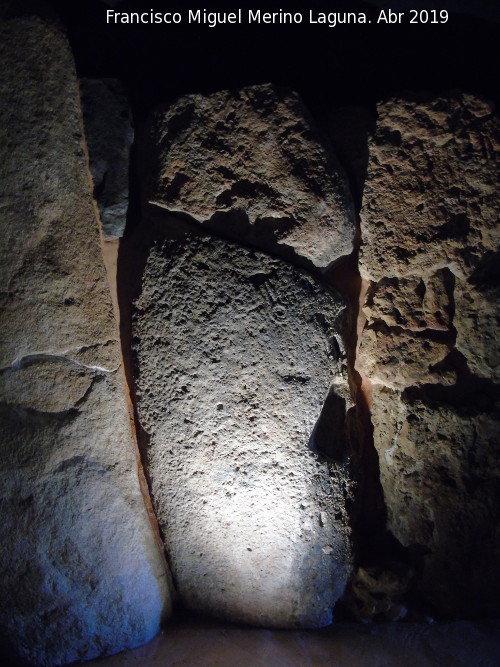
236, 353
81, 571
252, 164
430, 251
440, 473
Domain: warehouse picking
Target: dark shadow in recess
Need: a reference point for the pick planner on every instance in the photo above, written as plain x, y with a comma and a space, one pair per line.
330, 67
329, 437
470, 394
486, 275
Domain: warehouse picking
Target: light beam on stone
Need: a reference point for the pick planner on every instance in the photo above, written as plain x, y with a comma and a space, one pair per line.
235, 354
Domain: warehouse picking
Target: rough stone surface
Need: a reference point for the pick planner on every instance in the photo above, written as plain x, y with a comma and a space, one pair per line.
430, 251
236, 353
252, 164
82, 574
411, 303
109, 135
400, 358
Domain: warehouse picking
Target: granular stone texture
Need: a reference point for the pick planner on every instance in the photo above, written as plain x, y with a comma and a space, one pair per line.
236, 353
109, 135
430, 251
402, 358
411, 303
252, 164
82, 574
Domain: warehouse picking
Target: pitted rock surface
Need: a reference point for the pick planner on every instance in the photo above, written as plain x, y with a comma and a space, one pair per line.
430, 222
430, 251
440, 470
444, 146
236, 352
252, 164
82, 575
402, 358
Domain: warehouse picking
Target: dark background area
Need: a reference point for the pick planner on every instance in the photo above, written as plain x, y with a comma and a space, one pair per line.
330, 67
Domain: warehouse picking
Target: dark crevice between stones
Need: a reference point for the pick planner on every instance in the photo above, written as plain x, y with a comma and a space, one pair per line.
375, 546
118, 289
373, 542
234, 227
132, 255
347, 130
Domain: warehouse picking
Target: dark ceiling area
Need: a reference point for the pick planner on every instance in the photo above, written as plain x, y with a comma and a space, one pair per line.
330, 67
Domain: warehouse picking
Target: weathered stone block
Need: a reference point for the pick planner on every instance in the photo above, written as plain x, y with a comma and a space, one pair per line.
236, 353
252, 164
430, 249
82, 573
109, 135
430, 198
439, 464
412, 302
400, 359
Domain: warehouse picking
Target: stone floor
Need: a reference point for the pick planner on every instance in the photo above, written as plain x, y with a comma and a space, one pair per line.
201, 643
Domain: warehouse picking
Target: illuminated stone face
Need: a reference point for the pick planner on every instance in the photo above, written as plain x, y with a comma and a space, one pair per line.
236, 352
82, 574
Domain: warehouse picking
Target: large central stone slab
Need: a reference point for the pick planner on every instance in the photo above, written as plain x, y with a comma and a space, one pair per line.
236, 352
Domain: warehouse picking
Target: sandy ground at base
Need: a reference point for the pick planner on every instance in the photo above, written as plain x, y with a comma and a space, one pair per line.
202, 643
